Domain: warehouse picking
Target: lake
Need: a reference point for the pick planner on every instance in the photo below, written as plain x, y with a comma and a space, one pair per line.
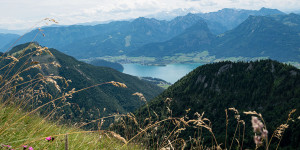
170, 73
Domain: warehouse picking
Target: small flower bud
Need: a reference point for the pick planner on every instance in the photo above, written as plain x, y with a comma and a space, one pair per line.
257, 140
264, 134
254, 120
48, 138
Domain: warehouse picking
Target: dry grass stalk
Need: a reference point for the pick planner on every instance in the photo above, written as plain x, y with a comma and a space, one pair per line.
118, 84
141, 96
118, 136
278, 133
226, 128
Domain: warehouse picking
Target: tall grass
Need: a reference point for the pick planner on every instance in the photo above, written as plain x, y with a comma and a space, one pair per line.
33, 130
160, 132
32, 106
29, 104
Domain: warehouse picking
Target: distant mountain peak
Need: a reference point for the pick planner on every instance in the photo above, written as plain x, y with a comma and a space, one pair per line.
143, 19
264, 9
228, 10
269, 11
189, 16
293, 14
146, 21
199, 25
140, 19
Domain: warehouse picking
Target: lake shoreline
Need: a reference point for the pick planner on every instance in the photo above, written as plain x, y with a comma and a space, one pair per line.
169, 73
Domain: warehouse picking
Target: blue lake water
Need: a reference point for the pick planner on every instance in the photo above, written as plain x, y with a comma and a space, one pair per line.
170, 73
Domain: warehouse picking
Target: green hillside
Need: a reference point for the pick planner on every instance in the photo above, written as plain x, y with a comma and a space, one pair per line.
267, 87
103, 63
89, 103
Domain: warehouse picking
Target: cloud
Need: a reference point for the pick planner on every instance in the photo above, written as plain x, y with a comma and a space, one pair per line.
79, 11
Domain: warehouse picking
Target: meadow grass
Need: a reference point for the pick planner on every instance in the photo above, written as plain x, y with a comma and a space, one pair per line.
33, 130
165, 131
24, 99
30, 106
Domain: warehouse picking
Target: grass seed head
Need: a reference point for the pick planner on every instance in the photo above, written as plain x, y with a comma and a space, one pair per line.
141, 96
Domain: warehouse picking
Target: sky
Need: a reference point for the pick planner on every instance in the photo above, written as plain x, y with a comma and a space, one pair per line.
23, 14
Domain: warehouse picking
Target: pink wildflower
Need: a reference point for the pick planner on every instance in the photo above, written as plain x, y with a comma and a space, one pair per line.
7, 146
260, 124
257, 140
260, 132
256, 124
30, 148
254, 120
264, 133
48, 138
256, 128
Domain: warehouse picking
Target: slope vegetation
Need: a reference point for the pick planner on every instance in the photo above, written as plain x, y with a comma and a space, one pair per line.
87, 103
267, 87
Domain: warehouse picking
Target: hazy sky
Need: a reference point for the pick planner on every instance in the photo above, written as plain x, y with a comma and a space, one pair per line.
22, 14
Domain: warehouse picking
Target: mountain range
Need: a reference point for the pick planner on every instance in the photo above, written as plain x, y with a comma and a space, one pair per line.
231, 18
259, 36
124, 37
114, 38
